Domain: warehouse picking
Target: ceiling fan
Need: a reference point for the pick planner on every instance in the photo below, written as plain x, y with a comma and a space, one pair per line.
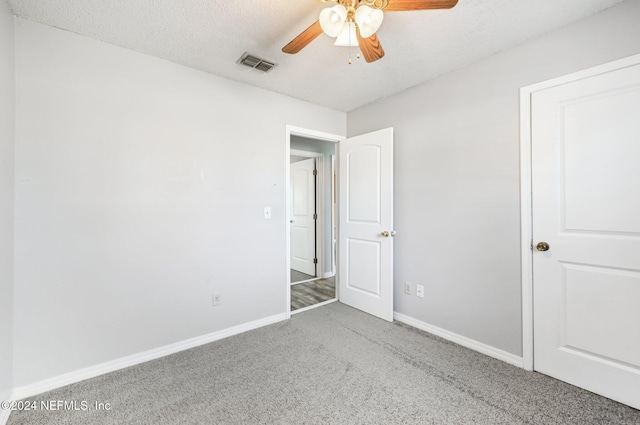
355, 22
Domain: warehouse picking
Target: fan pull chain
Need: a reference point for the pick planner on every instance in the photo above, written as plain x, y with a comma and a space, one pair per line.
357, 55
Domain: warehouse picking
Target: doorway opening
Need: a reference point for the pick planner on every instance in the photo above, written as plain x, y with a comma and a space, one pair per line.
363, 239
311, 219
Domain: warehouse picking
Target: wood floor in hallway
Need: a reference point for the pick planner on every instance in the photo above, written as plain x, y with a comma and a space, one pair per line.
311, 293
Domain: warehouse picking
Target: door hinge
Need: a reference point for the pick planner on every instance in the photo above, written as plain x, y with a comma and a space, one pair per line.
315, 261
315, 172
315, 216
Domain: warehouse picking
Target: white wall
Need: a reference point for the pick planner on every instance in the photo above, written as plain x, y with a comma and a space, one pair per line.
457, 176
7, 138
140, 191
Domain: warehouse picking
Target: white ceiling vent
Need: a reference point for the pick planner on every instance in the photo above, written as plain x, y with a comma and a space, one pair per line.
256, 62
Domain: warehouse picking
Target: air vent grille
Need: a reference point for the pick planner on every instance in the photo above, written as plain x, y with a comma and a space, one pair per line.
265, 66
256, 62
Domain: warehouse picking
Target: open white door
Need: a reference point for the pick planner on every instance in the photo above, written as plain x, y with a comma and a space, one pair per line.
303, 219
585, 137
366, 223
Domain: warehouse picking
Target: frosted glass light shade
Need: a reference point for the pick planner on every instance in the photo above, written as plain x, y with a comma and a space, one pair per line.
368, 20
348, 36
332, 20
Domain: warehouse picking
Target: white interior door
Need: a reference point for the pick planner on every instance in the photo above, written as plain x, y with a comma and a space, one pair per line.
303, 223
366, 213
586, 205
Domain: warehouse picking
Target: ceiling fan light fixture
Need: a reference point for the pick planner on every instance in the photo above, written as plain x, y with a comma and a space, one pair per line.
347, 37
362, 17
332, 19
368, 20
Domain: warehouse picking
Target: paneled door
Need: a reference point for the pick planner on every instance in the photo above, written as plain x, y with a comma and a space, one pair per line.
303, 218
585, 140
366, 223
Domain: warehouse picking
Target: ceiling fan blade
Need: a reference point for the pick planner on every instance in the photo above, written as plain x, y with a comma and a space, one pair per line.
370, 48
398, 5
305, 37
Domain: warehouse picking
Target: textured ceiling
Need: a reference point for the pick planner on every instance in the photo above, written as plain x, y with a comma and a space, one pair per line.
211, 35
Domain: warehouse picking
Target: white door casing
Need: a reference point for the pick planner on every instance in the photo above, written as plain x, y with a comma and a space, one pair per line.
303, 223
585, 203
366, 211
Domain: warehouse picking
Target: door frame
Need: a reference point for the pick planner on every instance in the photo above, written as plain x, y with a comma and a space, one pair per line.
526, 181
319, 205
291, 130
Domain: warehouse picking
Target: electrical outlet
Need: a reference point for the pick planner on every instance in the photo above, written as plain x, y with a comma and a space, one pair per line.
407, 288
420, 291
216, 299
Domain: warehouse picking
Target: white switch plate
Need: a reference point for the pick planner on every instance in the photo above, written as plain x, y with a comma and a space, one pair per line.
267, 212
407, 288
420, 291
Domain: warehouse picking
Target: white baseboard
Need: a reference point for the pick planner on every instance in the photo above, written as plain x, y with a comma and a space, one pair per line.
485, 349
111, 366
328, 275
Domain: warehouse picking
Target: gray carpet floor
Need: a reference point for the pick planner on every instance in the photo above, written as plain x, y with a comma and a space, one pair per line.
330, 365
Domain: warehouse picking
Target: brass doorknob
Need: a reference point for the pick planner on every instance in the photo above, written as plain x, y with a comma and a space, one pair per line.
386, 234
542, 246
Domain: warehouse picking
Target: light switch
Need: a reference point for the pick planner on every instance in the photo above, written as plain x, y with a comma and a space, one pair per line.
267, 212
